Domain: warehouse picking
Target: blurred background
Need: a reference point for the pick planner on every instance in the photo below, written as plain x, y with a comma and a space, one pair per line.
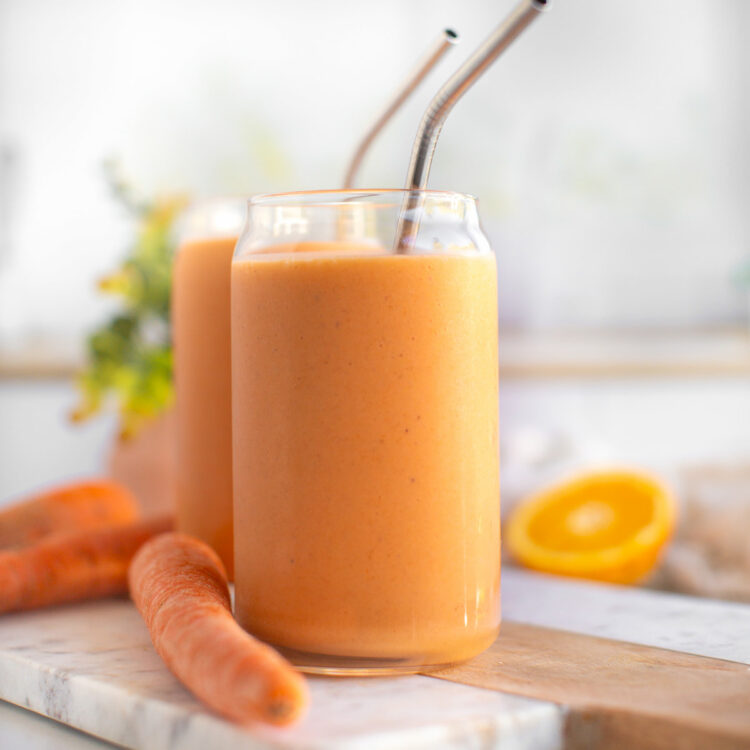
609, 151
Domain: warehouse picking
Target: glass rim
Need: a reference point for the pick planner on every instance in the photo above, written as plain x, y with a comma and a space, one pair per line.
345, 196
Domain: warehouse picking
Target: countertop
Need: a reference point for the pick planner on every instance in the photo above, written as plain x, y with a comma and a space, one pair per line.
641, 421
416, 711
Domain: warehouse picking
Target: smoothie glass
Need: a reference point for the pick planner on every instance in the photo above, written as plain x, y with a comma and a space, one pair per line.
200, 325
365, 432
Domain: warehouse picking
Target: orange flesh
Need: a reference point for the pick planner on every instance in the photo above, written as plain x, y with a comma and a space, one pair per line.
584, 511
366, 452
607, 525
200, 321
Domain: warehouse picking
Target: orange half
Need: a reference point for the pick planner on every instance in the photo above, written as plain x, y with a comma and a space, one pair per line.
607, 526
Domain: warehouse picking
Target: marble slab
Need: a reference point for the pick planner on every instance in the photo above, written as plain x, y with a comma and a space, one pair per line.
706, 627
92, 666
24, 730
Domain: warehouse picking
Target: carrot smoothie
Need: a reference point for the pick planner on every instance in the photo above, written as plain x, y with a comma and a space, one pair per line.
200, 320
365, 407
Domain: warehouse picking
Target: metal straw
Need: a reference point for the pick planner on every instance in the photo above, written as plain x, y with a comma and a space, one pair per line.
447, 39
432, 121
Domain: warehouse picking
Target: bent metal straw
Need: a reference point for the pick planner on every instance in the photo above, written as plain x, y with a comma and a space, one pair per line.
447, 40
442, 103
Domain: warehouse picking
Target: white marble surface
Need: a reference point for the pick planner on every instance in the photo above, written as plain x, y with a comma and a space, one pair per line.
24, 730
706, 627
92, 666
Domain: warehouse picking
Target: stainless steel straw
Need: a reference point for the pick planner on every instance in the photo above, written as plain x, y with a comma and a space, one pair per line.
442, 103
447, 39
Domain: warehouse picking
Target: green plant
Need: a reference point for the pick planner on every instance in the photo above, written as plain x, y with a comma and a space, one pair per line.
129, 359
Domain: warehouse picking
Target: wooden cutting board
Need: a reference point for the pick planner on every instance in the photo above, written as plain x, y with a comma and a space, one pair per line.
620, 696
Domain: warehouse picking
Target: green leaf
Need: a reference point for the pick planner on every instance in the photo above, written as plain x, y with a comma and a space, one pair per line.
129, 361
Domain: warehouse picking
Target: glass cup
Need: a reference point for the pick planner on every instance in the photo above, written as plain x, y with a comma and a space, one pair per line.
200, 331
365, 431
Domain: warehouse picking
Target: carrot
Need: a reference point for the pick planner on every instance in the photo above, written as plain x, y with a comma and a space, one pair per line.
73, 565
179, 585
75, 506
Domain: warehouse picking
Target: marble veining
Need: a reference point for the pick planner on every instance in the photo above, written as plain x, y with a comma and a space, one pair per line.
92, 666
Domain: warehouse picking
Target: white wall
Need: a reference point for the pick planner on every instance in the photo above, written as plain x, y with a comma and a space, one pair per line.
608, 148
546, 426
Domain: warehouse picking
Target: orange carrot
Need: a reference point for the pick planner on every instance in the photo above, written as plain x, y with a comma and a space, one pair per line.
75, 506
179, 585
73, 565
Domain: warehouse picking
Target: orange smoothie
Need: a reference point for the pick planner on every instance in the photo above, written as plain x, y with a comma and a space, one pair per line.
200, 322
365, 387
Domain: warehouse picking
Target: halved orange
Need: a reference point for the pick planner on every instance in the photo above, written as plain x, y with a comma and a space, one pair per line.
607, 526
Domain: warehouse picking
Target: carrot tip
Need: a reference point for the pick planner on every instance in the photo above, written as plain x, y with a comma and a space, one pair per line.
282, 711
